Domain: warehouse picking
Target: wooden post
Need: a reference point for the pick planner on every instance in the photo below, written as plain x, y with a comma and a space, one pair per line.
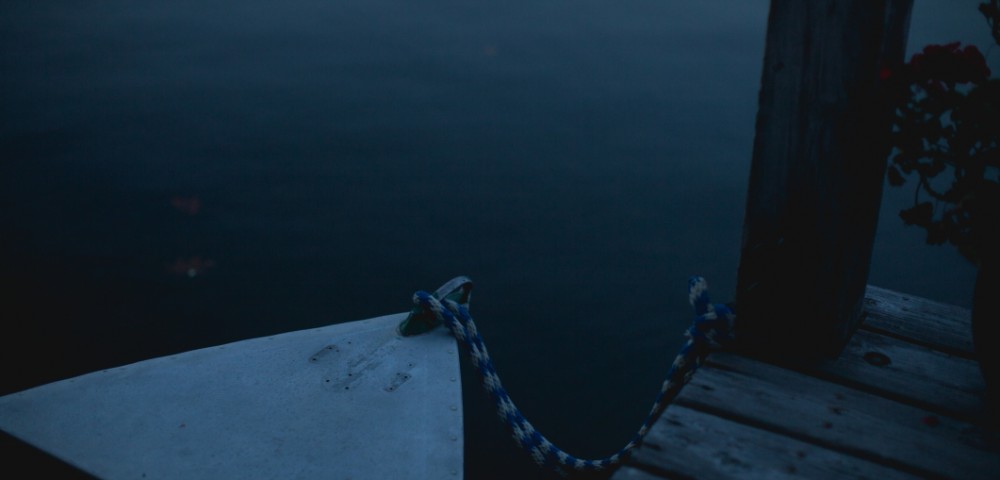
816, 179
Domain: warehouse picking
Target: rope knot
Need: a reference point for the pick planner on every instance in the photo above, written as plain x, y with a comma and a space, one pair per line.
429, 309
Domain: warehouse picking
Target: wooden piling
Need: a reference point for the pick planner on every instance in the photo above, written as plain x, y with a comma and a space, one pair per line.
816, 179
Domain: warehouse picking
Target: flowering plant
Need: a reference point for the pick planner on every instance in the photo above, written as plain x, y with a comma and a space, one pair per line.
947, 119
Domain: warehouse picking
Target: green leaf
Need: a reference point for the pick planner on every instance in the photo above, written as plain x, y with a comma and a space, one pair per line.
921, 214
936, 234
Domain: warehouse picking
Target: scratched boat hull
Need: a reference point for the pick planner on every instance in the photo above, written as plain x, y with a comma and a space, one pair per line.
351, 400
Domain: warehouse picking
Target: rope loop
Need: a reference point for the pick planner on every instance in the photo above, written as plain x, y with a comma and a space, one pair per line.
712, 327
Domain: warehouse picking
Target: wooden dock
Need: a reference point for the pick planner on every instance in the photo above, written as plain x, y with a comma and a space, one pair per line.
905, 399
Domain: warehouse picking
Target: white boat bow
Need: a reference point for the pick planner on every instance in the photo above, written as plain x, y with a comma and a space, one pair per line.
348, 401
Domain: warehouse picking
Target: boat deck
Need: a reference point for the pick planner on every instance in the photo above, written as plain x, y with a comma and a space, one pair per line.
905, 399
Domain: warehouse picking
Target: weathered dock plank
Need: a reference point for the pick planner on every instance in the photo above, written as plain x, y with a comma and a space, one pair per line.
704, 446
904, 399
933, 324
910, 373
632, 473
843, 419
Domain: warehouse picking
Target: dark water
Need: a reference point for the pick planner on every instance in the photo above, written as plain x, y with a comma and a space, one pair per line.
181, 174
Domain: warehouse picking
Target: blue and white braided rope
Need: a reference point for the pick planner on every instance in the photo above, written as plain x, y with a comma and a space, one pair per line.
712, 326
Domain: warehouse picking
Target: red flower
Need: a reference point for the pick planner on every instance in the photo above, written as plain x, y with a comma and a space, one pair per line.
949, 64
884, 73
